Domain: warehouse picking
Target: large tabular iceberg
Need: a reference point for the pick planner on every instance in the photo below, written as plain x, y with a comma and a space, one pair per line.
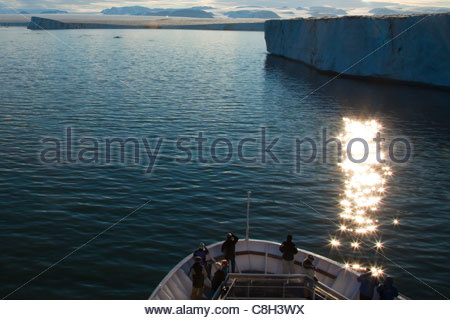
413, 48
38, 23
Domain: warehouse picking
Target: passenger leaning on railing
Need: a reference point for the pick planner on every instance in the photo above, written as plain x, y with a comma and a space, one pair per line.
219, 276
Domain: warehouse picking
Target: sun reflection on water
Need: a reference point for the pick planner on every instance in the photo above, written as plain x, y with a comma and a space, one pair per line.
364, 189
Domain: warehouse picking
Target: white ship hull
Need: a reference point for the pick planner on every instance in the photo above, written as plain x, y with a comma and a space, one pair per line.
262, 257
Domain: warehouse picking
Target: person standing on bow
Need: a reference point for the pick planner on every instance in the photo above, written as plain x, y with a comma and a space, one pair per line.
229, 250
203, 252
289, 250
198, 275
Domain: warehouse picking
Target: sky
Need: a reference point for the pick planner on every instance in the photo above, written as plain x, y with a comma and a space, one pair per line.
98, 5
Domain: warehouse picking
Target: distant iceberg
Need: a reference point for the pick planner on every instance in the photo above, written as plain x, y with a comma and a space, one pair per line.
414, 48
39, 23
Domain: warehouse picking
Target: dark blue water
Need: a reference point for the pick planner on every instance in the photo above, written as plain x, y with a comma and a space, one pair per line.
174, 84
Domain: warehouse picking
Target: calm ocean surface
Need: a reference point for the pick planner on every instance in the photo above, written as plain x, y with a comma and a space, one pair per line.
174, 84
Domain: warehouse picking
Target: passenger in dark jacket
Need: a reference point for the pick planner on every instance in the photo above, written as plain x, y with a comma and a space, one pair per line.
197, 275
289, 251
229, 249
203, 253
219, 276
368, 284
387, 291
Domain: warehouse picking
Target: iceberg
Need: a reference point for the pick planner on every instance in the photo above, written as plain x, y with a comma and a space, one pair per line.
412, 49
39, 23
91, 22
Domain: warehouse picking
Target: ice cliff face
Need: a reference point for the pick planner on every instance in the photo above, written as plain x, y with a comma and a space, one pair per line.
418, 55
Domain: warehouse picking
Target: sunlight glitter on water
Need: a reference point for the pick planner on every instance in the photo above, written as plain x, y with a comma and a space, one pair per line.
366, 174
365, 181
